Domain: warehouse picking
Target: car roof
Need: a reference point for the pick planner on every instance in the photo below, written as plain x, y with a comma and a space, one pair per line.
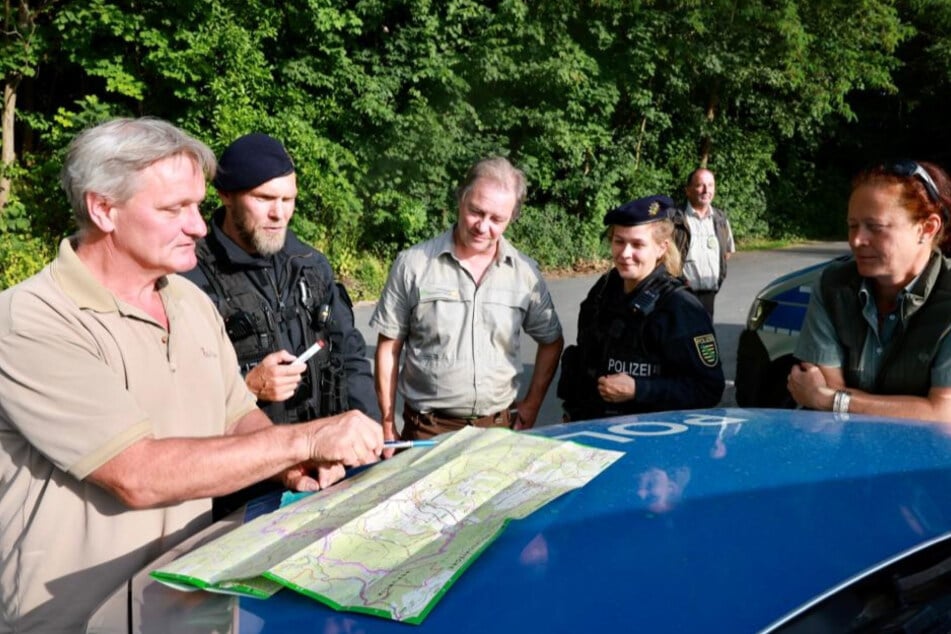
713, 520
793, 279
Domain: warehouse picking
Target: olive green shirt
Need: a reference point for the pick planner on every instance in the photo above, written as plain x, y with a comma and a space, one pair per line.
461, 340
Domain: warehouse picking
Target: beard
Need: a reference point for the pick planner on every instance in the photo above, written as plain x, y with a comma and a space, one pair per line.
263, 243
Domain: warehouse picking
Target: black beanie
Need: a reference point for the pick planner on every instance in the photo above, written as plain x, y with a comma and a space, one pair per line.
251, 160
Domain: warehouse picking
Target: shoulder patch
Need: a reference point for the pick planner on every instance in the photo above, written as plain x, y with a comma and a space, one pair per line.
706, 346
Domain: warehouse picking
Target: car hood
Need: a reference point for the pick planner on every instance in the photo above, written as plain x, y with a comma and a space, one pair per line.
713, 520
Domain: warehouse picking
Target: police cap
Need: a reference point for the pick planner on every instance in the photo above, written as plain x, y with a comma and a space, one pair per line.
251, 160
640, 211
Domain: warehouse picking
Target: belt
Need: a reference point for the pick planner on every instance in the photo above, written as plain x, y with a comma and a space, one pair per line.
478, 421
502, 417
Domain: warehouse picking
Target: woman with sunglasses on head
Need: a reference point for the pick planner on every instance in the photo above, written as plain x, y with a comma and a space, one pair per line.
645, 342
875, 339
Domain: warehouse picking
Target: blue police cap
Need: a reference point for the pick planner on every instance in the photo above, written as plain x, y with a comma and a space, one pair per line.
251, 160
640, 211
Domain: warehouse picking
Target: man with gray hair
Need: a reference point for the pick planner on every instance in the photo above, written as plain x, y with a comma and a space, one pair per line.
459, 302
123, 410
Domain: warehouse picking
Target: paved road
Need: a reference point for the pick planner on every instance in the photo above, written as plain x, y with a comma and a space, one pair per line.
749, 272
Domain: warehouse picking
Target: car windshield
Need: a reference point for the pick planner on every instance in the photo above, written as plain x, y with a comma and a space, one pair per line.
909, 594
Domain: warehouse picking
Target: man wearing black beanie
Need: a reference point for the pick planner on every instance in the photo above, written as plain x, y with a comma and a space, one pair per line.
278, 297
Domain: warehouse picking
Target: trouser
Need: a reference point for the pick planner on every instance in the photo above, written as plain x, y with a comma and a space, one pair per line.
424, 425
707, 298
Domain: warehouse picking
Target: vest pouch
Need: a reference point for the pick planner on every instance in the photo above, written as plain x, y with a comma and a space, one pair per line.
334, 398
322, 359
302, 406
242, 325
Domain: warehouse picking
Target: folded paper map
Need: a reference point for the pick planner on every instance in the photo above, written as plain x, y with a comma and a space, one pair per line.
390, 540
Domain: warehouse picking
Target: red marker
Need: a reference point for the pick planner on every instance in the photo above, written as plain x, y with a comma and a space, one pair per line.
311, 351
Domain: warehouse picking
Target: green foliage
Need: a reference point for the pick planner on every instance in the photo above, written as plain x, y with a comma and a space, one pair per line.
384, 103
554, 238
21, 257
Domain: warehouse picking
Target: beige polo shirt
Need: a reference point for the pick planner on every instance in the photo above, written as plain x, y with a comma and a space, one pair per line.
83, 376
462, 339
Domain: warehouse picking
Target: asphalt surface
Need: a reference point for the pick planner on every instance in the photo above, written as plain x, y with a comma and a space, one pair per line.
749, 271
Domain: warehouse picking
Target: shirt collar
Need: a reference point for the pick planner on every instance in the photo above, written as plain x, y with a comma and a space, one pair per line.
690, 211
85, 290
506, 252
865, 294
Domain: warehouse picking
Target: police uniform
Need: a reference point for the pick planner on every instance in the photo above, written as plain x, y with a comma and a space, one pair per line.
285, 301
659, 334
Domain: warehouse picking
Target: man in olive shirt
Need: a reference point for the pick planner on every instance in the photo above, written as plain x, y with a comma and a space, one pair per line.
459, 303
123, 411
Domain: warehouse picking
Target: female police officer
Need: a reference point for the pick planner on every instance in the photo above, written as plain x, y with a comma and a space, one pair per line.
645, 343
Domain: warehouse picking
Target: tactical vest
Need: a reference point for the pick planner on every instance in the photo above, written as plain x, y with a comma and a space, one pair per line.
926, 320
607, 334
255, 328
619, 319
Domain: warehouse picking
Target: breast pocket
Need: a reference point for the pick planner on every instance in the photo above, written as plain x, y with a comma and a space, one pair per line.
438, 317
503, 313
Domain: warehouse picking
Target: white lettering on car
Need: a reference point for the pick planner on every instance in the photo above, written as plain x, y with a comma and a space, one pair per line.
623, 433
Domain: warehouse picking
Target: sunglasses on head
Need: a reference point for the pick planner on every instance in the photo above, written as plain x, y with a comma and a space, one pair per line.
913, 169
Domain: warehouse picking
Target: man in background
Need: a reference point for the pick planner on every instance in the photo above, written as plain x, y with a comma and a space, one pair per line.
278, 297
703, 235
459, 303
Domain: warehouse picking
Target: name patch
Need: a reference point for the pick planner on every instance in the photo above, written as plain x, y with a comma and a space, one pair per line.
631, 368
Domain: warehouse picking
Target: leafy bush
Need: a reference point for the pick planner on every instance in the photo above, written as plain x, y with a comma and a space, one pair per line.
21, 257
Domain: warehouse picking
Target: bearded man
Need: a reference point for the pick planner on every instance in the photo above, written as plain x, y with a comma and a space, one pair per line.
278, 296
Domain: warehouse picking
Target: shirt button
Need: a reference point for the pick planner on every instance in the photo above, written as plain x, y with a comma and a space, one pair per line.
878, 350
164, 339
172, 367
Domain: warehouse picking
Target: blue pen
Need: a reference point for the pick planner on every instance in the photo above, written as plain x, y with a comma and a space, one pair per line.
406, 444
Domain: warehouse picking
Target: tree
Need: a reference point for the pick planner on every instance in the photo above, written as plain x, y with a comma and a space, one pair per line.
22, 46
384, 103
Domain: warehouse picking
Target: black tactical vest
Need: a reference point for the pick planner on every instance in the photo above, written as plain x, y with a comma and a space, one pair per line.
616, 320
257, 329
609, 337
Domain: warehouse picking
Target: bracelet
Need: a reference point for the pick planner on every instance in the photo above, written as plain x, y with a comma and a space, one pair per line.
841, 401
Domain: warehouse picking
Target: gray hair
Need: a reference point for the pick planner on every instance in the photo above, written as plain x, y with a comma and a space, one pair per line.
107, 159
499, 170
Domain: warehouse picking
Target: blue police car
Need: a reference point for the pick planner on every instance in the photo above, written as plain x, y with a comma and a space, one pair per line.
765, 350
720, 520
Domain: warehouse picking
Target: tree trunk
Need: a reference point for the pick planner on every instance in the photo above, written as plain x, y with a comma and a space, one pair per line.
7, 150
706, 144
640, 141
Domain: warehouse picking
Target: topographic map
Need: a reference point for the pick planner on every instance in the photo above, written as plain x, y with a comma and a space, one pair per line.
390, 540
